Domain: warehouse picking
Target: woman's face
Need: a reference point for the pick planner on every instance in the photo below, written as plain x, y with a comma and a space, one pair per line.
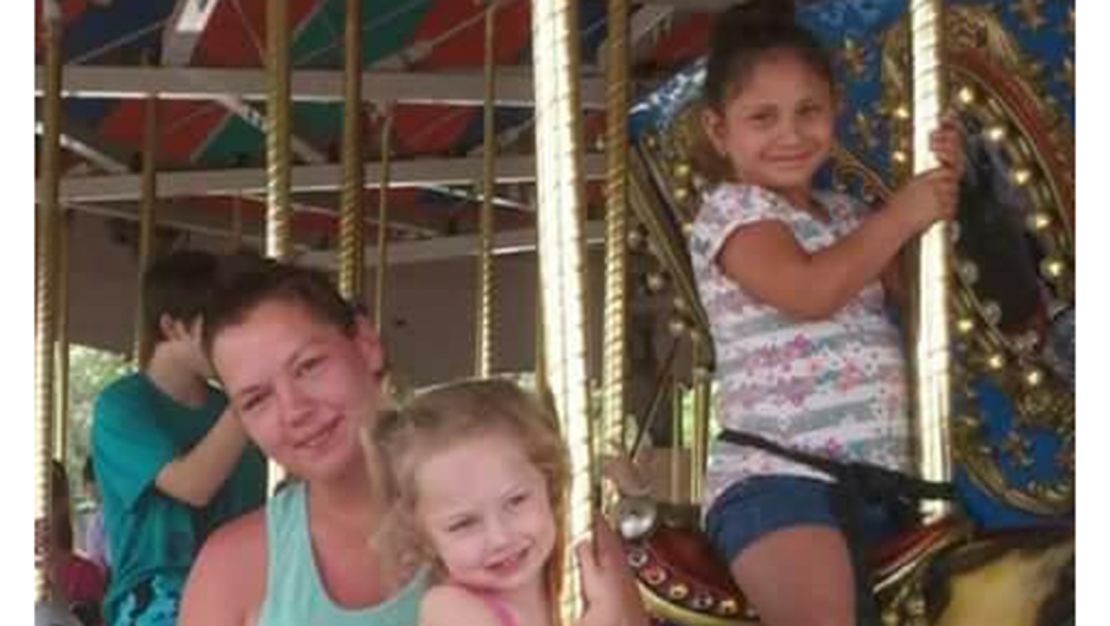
302, 387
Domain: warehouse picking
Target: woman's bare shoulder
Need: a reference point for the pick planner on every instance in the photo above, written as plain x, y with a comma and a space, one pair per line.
228, 581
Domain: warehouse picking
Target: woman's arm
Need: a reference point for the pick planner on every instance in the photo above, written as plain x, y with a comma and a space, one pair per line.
228, 581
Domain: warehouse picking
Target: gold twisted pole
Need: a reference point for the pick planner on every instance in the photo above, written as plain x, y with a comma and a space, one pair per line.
616, 255
929, 327
352, 219
45, 249
147, 219
61, 343
279, 208
483, 344
560, 217
702, 396
677, 422
540, 362
279, 211
383, 222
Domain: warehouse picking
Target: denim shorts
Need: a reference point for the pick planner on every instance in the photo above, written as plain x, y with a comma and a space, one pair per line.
758, 506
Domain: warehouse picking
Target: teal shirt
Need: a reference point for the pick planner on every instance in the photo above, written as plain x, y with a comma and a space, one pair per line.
137, 429
295, 594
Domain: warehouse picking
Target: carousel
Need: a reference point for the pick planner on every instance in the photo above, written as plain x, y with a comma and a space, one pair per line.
508, 186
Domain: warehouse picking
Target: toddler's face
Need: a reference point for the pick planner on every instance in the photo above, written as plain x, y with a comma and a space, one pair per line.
779, 128
486, 510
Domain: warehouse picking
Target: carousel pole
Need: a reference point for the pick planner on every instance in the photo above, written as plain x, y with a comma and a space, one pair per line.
147, 218
702, 384
677, 397
383, 221
616, 236
561, 217
930, 315
352, 218
45, 250
483, 346
61, 343
279, 210
538, 351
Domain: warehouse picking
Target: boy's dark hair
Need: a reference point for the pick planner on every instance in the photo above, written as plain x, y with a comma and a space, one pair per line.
179, 285
247, 280
747, 31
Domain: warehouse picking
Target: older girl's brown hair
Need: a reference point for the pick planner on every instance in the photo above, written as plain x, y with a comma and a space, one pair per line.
441, 417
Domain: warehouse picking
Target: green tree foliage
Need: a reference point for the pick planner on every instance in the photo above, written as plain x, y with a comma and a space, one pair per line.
90, 370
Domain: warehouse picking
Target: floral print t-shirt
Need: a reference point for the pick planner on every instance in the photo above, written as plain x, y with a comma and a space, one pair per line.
834, 387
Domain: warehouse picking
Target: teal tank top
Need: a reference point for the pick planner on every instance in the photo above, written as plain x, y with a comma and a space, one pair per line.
295, 595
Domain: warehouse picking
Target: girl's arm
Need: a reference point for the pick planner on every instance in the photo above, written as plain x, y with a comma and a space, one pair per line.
894, 283
764, 259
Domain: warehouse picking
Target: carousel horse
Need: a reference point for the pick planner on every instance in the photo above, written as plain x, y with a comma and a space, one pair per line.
945, 573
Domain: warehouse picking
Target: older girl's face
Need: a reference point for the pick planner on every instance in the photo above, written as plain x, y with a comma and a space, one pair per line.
302, 387
487, 511
778, 129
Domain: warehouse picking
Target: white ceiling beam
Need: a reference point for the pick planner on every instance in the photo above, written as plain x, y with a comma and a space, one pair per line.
421, 251
514, 87
181, 216
87, 144
444, 248
414, 173
183, 30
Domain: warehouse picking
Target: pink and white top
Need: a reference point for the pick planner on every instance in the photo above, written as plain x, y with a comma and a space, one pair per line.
835, 387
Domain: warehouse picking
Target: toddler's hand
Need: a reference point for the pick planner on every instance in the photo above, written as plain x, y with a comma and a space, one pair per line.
608, 585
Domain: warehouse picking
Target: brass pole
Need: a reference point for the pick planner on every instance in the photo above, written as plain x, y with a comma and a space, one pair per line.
616, 255
279, 211
561, 217
383, 222
147, 218
46, 220
677, 397
929, 327
483, 346
699, 438
542, 387
61, 343
279, 208
352, 219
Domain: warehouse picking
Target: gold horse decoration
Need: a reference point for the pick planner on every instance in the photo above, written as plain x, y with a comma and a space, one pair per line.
1021, 166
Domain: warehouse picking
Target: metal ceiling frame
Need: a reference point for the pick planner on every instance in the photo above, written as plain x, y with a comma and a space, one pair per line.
460, 88
412, 173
